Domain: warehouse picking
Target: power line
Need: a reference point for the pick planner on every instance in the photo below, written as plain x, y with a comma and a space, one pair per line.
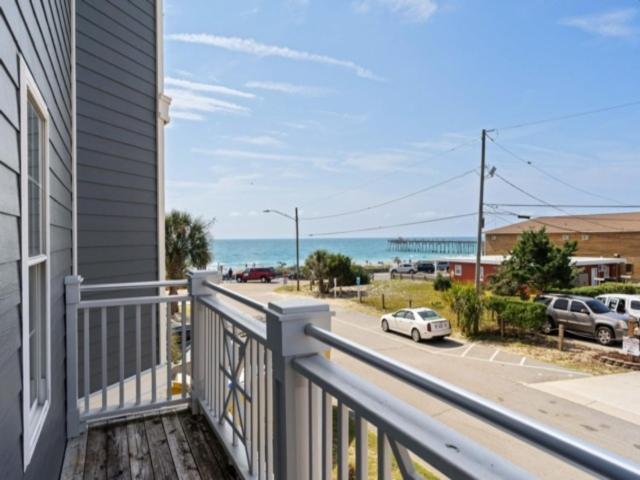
547, 174
545, 205
387, 175
384, 227
393, 200
571, 115
550, 205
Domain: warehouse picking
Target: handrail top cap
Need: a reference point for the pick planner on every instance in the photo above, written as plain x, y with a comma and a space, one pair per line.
73, 280
297, 306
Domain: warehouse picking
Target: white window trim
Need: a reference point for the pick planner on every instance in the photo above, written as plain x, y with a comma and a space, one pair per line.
457, 270
33, 419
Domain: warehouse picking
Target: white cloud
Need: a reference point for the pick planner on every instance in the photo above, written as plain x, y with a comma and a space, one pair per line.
289, 88
188, 101
183, 115
320, 162
413, 10
260, 140
616, 23
378, 162
252, 47
206, 87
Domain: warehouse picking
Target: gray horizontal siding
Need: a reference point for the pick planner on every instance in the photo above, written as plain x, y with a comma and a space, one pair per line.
117, 163
40, 32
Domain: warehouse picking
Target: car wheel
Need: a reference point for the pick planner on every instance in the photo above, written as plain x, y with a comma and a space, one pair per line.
393, 272
238, 280
415, 335
604, 335
548, 326
385, 326
263, 279
411, 272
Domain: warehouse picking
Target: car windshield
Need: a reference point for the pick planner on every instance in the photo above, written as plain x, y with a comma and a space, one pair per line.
428, 314
597, 307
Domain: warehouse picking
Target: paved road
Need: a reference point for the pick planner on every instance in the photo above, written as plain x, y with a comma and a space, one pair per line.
494, 374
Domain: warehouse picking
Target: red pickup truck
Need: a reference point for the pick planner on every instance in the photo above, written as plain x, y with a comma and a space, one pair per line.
263, 274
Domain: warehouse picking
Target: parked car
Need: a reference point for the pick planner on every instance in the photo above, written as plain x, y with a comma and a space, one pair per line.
443, 266
622, 303
585, 316
426, 267
403, 268
263, 274
419, 323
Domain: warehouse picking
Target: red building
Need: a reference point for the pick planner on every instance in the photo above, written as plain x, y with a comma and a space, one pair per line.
592, 270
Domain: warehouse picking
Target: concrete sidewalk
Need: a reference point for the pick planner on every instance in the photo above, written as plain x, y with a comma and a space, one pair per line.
616, 395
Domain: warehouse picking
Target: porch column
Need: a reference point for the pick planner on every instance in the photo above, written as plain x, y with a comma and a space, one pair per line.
72, 298
197, 289
286, 338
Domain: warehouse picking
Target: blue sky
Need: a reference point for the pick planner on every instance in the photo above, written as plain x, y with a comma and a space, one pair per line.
337, 105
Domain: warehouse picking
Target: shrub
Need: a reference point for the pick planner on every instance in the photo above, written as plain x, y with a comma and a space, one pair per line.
467, 305
522, 315
360, 271
595, 290
441, 283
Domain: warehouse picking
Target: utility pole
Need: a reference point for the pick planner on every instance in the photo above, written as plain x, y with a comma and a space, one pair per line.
480, 212
296, 221
297, 253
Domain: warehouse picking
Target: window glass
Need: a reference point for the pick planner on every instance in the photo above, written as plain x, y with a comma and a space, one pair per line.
577, 306
561, 304
635, 305
34, 160
427, 314
37, 333
597, 307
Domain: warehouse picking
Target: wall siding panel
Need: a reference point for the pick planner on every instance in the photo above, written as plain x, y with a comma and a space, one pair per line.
33, 30
117, 161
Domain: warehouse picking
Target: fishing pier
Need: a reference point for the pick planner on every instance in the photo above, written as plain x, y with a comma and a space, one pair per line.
432, 245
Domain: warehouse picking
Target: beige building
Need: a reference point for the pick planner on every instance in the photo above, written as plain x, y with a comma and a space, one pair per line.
599, 235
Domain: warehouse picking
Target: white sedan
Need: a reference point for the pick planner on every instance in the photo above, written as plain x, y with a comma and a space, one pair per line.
420, 323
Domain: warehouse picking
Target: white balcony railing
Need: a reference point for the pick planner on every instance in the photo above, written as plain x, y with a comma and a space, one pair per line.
266, 384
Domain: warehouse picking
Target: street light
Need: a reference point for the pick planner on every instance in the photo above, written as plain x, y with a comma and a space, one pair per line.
295, 219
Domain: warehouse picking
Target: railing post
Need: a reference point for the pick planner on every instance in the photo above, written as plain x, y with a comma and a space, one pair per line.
72, 297
286, 338
198, 346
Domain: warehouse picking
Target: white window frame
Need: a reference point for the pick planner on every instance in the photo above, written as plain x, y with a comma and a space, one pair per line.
457, 270
584, 236
33, 417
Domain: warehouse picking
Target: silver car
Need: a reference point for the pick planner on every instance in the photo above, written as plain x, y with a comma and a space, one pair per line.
420, 323
585, 316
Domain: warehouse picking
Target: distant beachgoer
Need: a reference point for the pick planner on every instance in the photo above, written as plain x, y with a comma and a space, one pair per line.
230, 273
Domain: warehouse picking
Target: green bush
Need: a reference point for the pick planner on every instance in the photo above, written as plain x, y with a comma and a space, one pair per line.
363, 273
467, 305
522, 315
603, 288
441, 283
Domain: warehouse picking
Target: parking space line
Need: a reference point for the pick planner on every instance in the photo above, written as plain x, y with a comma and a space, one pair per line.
495, 354
434, 351
464, 354
524, 359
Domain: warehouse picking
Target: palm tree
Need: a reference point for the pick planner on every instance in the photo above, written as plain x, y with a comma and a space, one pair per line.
186, 244
317, 264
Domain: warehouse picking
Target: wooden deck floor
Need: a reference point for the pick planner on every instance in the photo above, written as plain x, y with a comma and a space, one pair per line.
174, 445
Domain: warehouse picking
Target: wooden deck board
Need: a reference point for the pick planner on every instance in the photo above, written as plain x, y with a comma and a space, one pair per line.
73, 466
95, 466
118, 453
180, 449
201, 446
139, 456
168, 446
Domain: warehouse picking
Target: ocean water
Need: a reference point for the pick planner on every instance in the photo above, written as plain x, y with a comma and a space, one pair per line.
270, 252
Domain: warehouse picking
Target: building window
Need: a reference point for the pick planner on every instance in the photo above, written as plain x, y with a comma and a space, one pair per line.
565, 237
481, 272
584, 236
36, 332
457, 270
